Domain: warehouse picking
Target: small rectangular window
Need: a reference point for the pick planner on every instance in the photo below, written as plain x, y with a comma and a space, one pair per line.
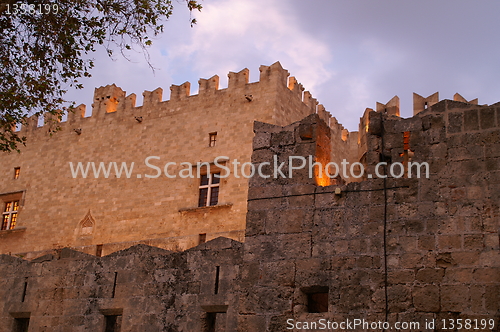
17, 171
209, 190
210, 321
113, 323
9, 215
317, 298
214, 322
98, 250
317, 302
202, 238
212, 138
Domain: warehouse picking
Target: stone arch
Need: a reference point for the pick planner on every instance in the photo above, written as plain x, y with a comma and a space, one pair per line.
87, 225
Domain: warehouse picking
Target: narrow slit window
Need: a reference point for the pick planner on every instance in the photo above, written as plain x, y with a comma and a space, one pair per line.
209, 190
17, 171
212, 139
217, 277
25, 287
113, 291
9, 215
98, 250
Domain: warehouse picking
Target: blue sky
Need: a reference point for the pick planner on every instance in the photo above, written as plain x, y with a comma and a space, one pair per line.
349, 54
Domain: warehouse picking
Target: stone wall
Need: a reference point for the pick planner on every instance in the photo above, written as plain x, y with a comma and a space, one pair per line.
150, 288
395, 249
381, 249
103, 215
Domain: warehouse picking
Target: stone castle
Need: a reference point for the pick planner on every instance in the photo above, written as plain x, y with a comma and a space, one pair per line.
154, 253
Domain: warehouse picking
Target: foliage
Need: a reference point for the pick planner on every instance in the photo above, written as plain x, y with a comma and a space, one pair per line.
45, 48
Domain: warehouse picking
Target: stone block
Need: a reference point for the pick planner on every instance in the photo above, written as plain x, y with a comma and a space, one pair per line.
426, 242
455, 122
399, 297
454, 297
446, 242
401, 276
487, 118
473, 242
261, 140
492, 298
426, 298
471, 120
283, 138
430, 276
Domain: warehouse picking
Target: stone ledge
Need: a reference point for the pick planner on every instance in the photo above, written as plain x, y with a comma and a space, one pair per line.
12, 231
206, 208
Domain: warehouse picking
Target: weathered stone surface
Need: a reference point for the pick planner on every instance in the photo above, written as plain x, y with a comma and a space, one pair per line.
427, 246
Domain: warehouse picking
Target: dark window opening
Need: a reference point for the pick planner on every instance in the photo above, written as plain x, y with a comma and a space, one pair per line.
113, 323
210, 321
202, 238
215, 322
212, 138
317, 299
98, 250
17, 171
9, 215
21, 324
217, 276
25, 286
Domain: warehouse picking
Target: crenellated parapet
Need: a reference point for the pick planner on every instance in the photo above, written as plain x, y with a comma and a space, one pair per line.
152, 97
274, 80
276, 96
273, 72
238, 79
107, 99
458, 97
390, 108
420, 103
77, 114
208, 86
295, 87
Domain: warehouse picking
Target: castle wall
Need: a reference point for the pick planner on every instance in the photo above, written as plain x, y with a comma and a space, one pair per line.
396, 250
108, 214
150, 288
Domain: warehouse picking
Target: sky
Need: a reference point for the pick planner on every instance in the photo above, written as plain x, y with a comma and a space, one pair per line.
349, 54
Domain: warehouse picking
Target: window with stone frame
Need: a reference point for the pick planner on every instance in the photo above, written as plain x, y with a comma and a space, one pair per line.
9, 215
209, 189
10, 204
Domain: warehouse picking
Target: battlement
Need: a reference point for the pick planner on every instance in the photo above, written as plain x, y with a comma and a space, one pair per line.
111, 102
111, 99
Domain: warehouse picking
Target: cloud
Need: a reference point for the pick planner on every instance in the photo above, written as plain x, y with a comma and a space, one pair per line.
231, 35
